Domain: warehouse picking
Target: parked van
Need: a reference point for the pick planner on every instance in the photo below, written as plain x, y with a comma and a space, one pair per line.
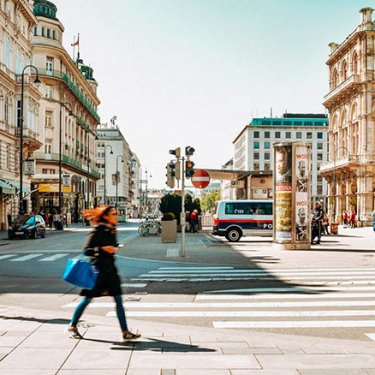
236, 218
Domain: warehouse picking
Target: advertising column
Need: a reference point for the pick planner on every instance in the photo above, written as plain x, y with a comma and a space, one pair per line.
292, 195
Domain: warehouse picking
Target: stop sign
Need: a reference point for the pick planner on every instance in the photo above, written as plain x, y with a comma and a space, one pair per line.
200, 179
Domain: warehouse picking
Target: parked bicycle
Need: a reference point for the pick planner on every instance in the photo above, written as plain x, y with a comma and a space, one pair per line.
149, 227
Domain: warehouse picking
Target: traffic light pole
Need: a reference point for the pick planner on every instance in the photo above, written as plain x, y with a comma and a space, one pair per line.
183, 216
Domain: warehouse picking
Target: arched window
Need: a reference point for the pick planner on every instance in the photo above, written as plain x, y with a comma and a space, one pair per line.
344, 70
355, 63
6, 110
335, 78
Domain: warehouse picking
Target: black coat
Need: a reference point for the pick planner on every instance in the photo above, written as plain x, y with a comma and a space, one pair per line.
108, 283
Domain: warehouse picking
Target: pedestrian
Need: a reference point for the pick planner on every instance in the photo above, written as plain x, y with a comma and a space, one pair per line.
193, 220
345, 218
325, 224
317, 224
353, 220
101, 247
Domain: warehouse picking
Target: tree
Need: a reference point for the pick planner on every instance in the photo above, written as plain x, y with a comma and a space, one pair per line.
209, 200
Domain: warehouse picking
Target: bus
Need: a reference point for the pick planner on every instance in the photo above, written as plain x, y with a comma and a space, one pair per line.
236, 218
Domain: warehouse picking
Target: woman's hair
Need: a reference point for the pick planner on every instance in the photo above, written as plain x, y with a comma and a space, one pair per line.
97, 214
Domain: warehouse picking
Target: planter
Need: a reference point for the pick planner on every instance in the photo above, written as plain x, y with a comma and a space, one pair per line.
169, 231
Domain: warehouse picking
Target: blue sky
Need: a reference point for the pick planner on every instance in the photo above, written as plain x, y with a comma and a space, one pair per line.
194, 72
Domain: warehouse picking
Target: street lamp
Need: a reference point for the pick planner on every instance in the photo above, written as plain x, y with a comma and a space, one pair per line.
105, 166
117, 176
37, 82
60, 144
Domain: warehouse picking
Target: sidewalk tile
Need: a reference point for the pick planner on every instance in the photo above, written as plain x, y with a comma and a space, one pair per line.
203, 372
29, 372
50, 340
90, 372
87, 358
189, 361
251, 351
11, 340
222, 344
34, 359
370, 371
316, 361
333, 372
264, 372
143, 371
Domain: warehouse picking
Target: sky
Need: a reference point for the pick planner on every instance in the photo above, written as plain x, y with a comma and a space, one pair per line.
195, 72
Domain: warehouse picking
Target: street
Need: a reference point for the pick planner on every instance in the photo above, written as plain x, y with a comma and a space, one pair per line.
303, 293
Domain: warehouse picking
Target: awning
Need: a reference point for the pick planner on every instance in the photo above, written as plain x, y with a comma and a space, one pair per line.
6, 189
16, 184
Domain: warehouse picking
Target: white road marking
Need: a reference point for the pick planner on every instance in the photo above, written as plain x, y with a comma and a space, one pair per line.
297, 324
134, 285
371, 336
53, 257
7, 256
196, 268
233, 314
26, 257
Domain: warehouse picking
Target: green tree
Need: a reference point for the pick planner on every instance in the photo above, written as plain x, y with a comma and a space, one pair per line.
209, 200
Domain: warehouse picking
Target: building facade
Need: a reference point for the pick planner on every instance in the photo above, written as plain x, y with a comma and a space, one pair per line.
65, 176
253, 150
17, 22
117, 168
351, 105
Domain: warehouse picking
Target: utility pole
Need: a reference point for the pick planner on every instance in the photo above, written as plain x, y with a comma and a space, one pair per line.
183, 216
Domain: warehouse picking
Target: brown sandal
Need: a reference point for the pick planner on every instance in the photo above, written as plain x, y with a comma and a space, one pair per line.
74, 333
127, 335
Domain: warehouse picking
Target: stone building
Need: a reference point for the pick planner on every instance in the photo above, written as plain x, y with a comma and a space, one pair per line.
65, 178
351, 106
17, 22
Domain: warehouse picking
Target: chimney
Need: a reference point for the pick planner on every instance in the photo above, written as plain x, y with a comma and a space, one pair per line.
366, 15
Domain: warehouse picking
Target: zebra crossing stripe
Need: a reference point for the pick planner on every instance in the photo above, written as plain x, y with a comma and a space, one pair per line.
297, 324
241, 314
53, 257
319, 270
7, 256
26, 257
198, 268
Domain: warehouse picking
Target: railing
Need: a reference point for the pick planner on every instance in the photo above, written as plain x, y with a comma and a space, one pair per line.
353, 79
60, 75
338, 163
7, 128
28, 133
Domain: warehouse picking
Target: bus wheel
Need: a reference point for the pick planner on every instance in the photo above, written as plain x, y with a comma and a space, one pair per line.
233, 235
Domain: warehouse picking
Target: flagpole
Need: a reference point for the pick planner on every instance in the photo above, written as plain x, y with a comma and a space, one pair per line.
74, 48
78, 47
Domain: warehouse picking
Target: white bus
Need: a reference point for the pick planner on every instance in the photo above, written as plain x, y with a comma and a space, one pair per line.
236, 218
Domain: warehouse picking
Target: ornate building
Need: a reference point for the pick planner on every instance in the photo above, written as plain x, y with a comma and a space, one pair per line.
66, 176
16, 22
351, 106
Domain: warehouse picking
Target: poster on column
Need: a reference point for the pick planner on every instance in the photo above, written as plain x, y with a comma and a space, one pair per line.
283, 192
302, 183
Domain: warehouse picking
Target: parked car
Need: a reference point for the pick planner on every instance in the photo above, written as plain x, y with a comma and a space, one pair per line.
27, 226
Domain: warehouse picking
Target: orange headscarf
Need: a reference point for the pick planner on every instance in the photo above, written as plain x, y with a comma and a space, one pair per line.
95, 215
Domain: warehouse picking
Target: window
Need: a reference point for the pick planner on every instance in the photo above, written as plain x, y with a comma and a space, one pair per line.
256, 155
267, 145
288, 135
319, 189
319, 179
49, 65
256, 134
48, 33
277, 134
267, 167
298, 123
276, 122
256, 166
309, 135
287, 122
6, 110
267, 156
49, 92
43, 34
308, 123
266, 134
344, 70
49, 119
320, 146
256, 145
355, 63
18, 113
320, 157
320, 135
47, 149
299, 135
53, 34
248, 208
35, 30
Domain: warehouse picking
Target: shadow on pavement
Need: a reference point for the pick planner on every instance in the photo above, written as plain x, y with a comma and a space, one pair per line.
28, 319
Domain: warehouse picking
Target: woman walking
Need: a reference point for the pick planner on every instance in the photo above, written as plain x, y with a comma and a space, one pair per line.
101, 246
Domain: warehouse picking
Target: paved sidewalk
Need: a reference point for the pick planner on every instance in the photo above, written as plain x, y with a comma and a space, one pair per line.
34, 342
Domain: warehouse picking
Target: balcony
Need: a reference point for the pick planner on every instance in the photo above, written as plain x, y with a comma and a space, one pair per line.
341, 163
7, 128
72, 86
342, 89
30, 139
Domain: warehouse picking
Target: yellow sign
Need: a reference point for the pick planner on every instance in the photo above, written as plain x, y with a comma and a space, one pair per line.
54, 188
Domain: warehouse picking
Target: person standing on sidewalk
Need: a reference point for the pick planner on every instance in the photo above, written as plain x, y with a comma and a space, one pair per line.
317, 224
101, 246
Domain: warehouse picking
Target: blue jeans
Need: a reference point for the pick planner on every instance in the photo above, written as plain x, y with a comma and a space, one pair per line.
85, 302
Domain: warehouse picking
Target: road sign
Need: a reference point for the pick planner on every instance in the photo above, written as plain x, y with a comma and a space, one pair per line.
201, 179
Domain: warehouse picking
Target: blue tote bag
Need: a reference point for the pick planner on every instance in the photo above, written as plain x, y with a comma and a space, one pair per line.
80, 272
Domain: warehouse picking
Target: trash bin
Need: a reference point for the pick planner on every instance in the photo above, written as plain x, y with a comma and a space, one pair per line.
334, 228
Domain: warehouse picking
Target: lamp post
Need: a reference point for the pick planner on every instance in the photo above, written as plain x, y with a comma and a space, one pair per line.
117, 176
105, 167
36, 81
60, 152
334, 178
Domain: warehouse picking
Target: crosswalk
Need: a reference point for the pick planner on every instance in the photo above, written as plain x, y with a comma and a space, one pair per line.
303, 298
39, 257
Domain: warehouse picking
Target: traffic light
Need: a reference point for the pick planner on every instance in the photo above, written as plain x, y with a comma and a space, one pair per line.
189, 168
176, 152
170, 174
189, 151
177, 171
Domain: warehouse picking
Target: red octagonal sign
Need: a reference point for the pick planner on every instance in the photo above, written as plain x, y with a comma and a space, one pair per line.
200, 179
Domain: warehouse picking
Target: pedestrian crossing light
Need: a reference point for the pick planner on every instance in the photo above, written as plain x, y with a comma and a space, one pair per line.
189, 168
170, 174
176, 152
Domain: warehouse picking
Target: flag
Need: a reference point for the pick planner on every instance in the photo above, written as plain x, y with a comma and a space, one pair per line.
76, 43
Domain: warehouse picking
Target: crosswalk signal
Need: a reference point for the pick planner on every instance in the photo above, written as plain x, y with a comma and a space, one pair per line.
170, 174
189, 168
177, 171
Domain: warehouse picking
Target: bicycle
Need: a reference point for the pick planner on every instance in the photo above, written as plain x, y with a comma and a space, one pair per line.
149, 227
